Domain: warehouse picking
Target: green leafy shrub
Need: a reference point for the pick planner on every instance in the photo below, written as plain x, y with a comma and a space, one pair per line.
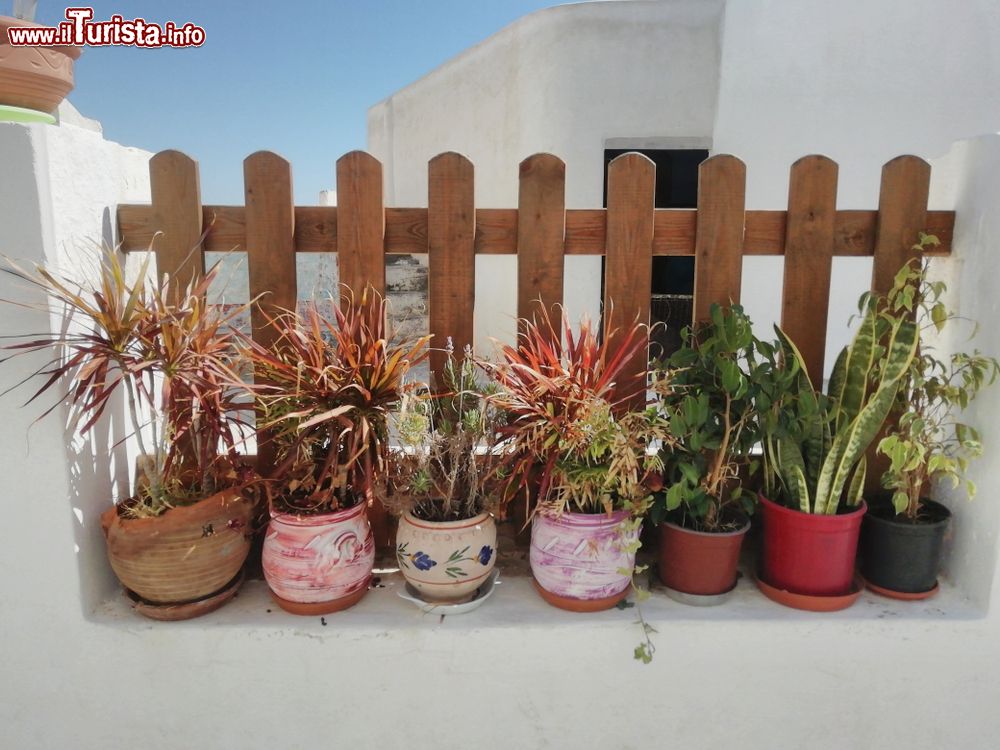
929, 443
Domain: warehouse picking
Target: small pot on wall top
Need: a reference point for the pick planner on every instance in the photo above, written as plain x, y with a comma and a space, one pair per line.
37, 78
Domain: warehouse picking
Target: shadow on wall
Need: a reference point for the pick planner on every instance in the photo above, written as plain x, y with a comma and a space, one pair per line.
97, 470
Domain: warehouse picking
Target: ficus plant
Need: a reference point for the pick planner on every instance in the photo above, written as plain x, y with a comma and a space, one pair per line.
707, 394
324, 391
447, 464
172, 354
814, 443
928, 442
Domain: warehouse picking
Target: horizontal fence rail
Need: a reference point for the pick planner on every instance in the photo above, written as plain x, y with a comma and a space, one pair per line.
540, 231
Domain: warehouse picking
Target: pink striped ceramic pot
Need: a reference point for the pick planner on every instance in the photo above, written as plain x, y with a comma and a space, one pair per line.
319, 564
576, 558
446, 561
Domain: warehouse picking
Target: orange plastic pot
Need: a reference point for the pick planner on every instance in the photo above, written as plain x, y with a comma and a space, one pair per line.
810, 554
699, 562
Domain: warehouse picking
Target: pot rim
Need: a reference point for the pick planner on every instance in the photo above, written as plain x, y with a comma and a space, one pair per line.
179, 514
713, 534
316, 519
446, 525
575, 518
819, 518
6, 22
874, 518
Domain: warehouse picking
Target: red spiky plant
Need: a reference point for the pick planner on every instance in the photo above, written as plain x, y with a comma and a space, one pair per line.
174, 356
325, 391
572, 427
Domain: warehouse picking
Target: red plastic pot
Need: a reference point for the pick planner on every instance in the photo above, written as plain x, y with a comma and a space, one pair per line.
807, 553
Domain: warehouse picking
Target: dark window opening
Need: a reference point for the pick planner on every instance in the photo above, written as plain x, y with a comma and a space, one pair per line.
672, 293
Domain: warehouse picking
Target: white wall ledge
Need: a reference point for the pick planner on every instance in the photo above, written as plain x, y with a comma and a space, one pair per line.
515, 604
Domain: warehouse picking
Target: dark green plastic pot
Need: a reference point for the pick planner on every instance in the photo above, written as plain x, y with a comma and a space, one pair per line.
900, 555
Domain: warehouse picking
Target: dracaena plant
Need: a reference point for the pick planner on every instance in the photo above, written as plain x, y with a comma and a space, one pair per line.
707, 391
929, 442
447, 465
172, 354
324, 392
815, 443
570, 426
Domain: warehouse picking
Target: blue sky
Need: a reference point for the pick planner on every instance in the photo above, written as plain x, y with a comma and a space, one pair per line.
294, 77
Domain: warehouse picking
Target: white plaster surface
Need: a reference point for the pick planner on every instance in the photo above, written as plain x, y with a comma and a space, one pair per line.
81, 671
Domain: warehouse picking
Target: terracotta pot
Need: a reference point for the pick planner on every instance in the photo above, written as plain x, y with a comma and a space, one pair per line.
320, 563
186, 554
446, 561
810, 554
34, 77
576, 559
699, 562
901, 558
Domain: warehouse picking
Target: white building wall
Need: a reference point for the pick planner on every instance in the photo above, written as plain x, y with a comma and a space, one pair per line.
563, 80
516, 673
861, 82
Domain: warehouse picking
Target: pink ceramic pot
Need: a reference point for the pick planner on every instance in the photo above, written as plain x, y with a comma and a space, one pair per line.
577, 559
319, 564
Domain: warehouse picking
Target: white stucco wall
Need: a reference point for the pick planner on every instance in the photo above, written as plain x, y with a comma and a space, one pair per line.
80, 672
860, 82
554, 82
516, 673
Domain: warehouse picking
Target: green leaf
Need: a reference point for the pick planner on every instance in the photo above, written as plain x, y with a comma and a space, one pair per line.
939, 315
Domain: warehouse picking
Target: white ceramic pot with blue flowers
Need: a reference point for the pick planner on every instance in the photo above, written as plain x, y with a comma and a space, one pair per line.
446, 561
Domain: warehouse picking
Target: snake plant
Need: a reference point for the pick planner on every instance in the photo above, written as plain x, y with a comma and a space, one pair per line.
815, 443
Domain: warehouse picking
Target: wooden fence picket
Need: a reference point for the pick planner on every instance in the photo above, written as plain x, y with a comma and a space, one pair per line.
809, 238
719, 238
629, 254
360, 223
176, 212
451, 257
902, 215
270, 223
541, 224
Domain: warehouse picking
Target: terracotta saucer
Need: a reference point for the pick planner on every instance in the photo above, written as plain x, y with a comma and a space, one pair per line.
187, 610
811, 602
320, 608
579, 605
903, 596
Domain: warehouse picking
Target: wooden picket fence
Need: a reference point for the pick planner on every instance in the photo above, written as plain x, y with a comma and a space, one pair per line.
540, 231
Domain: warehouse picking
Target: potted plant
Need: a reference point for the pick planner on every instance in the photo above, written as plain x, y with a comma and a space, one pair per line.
178, 543
581, 450
903, 532
32, 78
324, 392
814, 447
443, 485
707, 395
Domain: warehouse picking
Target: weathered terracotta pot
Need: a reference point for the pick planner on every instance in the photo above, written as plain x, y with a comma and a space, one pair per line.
698, 562
577, 559
34, 77
186, 554
446, 561
321, 563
